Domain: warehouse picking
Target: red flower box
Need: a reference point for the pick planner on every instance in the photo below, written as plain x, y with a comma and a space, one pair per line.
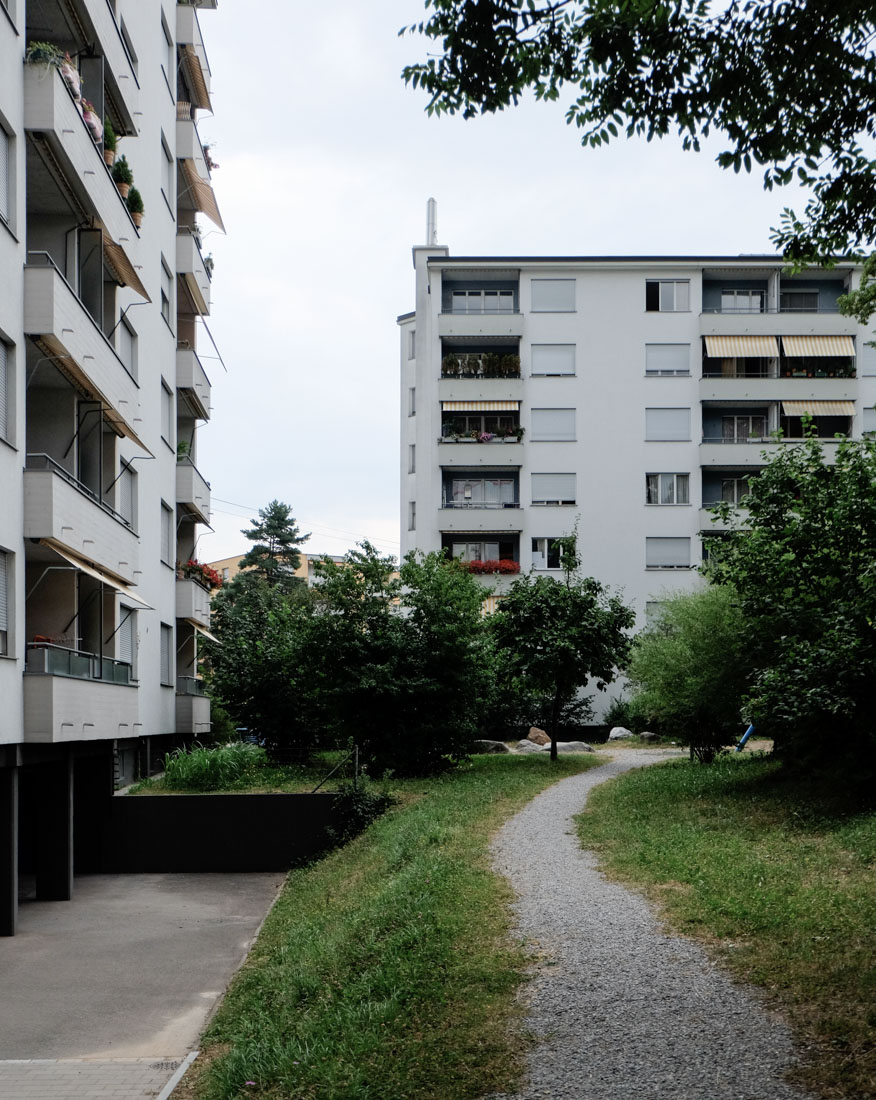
494, 565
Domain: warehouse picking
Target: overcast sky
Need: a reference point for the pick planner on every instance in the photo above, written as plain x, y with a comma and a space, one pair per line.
326, 162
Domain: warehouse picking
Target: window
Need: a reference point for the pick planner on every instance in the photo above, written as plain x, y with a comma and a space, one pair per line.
667, 424
166, 173
126, 347
547, 553
470, 425
412, 401
127, 634
867, 359
482, 301
127, 494
412, 515
667, 553
129, 49
412, 458
166, 671
667, 359
4, 602
166, 534
476, 551
733, 489
667, 488
412, 344
553, 488
553, 295
480, 492
169, 65
667, 295
5, 188
166, 413
798, 301
740, 429
653, 611
553, 425
4, 391
553, 358
742, 301
868, 422
166, 291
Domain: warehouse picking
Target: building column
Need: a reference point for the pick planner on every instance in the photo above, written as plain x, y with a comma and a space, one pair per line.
8, 851
54, 834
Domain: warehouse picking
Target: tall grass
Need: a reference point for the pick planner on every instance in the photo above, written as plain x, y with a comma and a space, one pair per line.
777, 876
213, 768
386, 970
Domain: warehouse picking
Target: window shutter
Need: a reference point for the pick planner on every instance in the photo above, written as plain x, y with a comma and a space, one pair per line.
553, 358
4, 391
166, 535
553, 295
126, 634
869, 420
867, 358
166, 653
667, 424
667, 552
667, 358
4, 175
558, 488
4, 614
553, 424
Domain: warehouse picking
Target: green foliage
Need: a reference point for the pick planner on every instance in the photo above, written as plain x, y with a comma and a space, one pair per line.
43, 53
110, 140
121, 171
789, 86
276, 539
805, 570
217, 768
134, 201
357, 805
552, 637
689, 670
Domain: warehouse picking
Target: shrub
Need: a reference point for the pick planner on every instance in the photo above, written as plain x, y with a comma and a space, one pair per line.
358, 805
211, 769
121, 171
135, 201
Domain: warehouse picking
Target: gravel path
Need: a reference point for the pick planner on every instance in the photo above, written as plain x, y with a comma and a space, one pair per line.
617, 1008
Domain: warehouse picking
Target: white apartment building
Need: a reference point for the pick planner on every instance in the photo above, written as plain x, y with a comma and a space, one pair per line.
628, 393
101, 395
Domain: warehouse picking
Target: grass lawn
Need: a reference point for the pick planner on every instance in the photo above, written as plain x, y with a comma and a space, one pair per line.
776, 877
386, 970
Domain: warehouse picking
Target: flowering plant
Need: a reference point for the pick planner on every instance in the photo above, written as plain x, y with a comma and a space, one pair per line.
197, 571
484, 437
493, 565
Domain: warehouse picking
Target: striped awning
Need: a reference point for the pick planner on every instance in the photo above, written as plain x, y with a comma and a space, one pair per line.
120, 266
742, 347
102, 575
480, 406
818, 408
202, 193
197, 83
490, 604
203, 631
838, 346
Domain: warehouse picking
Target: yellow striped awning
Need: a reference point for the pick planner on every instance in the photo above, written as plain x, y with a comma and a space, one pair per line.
197, 83
839, 346
116, 259
480, 406
490, 604
743, 347
818, 408
202, 194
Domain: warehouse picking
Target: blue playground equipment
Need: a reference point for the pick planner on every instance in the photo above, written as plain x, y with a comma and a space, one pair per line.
745, 737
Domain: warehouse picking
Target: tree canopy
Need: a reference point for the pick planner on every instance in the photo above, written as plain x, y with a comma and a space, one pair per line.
275, 554
790, 85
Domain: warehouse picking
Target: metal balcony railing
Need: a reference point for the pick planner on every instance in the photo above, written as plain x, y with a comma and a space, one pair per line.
48, 659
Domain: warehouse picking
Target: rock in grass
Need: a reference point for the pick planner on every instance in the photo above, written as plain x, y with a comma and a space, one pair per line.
530, 746
489, 746
648, 736
574, 746
537, 736
620, 733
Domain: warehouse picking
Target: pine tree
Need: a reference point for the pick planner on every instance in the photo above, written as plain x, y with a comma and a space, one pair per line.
275, 554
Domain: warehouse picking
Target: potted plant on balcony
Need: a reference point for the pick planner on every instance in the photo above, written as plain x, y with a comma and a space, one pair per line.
110, 143
450, 366
123, 177
92, 121
43, 53
135, 206
208, 264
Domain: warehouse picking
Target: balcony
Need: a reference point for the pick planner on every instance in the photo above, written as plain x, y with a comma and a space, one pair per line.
57, 507
121, 80
729, 388
192, 707
192, 381
192, 491
482, 518
777, 324
188, 143
70, 696
54, 315
468, 364
192, 602
194, 59
49, 110
190, 265
710, 523
480, 324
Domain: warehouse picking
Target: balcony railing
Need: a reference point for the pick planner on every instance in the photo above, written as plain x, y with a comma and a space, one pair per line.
39, 461
480, 503
48, 659
189, 685
772, 309
477, 365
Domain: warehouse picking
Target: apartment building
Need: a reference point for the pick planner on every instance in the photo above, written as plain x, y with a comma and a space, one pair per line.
102, 393
625, 393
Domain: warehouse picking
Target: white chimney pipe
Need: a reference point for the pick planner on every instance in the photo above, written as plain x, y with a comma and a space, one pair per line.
431, 222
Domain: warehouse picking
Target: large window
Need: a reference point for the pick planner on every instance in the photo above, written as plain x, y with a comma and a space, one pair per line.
547, 553
477, 550
733, 489
667, 424
482, 301
167, 555
553, 488
553, 425
471, 425
741, 429
667, 359
4, 603
166, 667
553, 359
742, 301
667, 553
798, 301
480, 492
667, 295
553, 295
667, 488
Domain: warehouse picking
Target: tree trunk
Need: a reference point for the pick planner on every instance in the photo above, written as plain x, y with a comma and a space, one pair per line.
555, 709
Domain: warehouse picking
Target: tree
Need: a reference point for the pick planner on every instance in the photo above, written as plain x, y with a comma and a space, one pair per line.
804, 566
553, 637
689, 670
275, 555
789, 84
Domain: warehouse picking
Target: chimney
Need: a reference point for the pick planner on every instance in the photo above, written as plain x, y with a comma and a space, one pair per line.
431, 223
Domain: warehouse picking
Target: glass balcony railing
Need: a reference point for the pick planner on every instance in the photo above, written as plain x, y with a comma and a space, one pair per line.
189, 685
48, 659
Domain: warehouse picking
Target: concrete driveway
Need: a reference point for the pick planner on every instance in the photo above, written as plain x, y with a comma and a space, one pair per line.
125, 975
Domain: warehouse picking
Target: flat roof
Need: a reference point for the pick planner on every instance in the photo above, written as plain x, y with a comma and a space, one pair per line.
738, 258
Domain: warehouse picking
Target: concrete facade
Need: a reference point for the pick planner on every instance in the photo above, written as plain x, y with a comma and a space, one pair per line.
102, 396
624, 394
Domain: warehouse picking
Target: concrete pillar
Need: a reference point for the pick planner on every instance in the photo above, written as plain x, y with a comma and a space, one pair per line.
54, 836
8, 851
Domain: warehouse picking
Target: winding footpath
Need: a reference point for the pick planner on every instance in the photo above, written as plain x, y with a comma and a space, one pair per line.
618, 1008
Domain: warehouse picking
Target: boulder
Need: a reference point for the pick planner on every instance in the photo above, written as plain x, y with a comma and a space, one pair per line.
648, 736
573, 746
620, 733
489, 746
530, 746
539, 737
